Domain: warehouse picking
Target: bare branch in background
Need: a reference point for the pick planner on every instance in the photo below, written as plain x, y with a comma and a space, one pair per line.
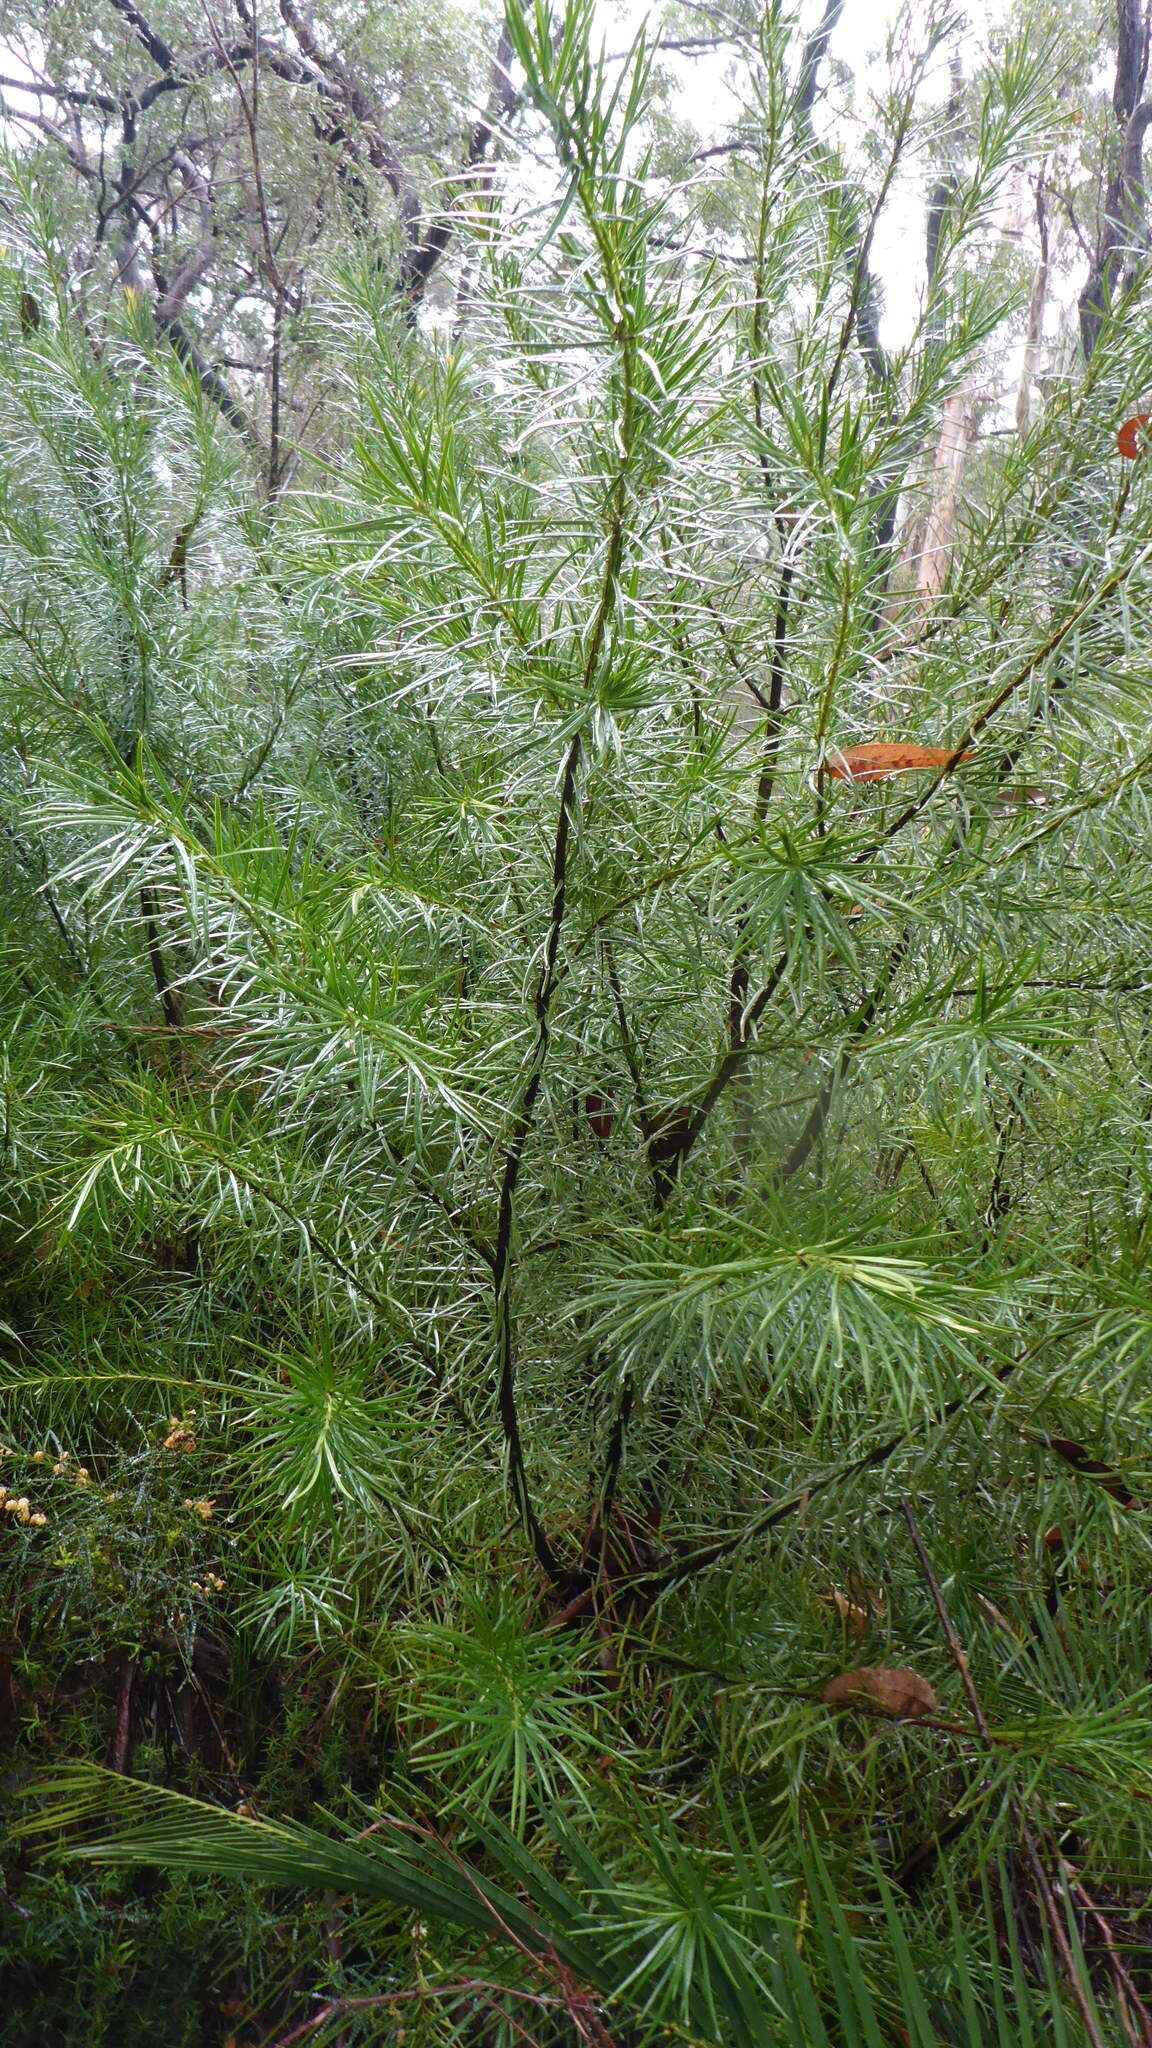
1122, 232
344, 115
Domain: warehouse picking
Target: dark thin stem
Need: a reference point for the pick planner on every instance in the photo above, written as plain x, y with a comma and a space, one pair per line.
612, 1462
513, 1162
1130, 2000
550, 974
775, 702
627, 1043
998, 1201
25, 858
814, 52
1061, 1943
955, 1646
169, 1001
860, 317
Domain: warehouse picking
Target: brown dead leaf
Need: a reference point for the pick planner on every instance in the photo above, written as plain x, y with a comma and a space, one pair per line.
898, 1692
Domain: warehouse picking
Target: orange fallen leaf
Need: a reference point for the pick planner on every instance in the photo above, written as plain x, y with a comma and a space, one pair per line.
898, 1692
879, 758
1133, 436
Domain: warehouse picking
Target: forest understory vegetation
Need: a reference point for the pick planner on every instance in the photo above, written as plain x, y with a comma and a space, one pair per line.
576, 1086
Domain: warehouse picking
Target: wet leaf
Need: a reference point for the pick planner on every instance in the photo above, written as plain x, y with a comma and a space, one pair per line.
1133, 436
877, 759
896, 1691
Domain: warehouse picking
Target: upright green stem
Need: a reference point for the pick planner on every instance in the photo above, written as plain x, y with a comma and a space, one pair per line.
503, 1262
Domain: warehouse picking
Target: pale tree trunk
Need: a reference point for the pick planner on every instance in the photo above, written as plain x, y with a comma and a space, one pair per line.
925, 551
1037, 307
929, 547
957, 433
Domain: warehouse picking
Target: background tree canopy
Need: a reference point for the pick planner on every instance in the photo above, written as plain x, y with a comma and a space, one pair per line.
575, 830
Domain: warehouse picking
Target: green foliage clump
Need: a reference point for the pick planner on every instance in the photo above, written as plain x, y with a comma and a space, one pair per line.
547, 1217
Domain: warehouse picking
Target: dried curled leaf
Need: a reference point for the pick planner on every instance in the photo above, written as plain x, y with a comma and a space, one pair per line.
898, 1692
879, 758
858, 1613
851, 1615
1133, 436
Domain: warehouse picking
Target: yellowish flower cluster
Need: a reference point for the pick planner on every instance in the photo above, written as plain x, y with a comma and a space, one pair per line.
203, 1508
64, 1468
181, 1436
209, 1584
21, 1507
